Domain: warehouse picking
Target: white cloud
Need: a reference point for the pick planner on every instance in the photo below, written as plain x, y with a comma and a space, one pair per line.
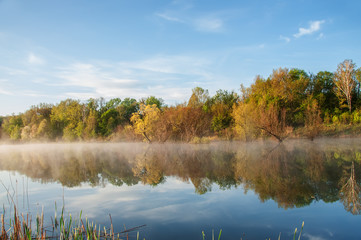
36, 60
286, 39
169, 18
314, 27
209, 24
95, 80
169, 77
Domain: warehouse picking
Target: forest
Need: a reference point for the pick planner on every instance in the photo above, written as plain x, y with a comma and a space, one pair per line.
288, 103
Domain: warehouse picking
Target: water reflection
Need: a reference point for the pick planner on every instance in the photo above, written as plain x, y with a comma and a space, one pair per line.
294, 174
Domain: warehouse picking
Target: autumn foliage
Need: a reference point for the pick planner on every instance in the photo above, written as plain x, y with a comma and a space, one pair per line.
290, 102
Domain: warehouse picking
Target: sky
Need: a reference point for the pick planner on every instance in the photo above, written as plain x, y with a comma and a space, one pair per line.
54, 50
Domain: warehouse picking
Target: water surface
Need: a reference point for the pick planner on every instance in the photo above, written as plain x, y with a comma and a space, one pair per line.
249, 190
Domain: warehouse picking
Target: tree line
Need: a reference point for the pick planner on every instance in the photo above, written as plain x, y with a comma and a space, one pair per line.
290, 102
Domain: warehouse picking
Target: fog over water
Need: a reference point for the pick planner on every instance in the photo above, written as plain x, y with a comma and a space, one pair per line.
178, 190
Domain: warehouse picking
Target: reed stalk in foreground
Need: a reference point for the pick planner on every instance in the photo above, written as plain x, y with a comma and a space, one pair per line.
279, 236
20, 227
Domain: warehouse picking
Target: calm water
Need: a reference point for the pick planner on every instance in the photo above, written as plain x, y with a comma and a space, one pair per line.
251, 191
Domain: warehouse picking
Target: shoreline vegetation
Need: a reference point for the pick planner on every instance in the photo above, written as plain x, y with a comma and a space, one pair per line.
22, 227
290, 103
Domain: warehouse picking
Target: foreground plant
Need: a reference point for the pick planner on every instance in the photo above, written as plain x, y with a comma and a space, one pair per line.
21, 227
279, 236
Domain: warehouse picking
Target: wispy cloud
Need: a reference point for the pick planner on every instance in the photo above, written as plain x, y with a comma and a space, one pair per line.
36, 60
286, 39
314, 27
169, 77
96, 80
169, 18
209, 24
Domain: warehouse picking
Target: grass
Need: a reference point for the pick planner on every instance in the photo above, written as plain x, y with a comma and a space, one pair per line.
21, 227
279, 236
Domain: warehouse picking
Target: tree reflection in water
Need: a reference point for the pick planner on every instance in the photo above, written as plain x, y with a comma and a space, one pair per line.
350, 193
293, 174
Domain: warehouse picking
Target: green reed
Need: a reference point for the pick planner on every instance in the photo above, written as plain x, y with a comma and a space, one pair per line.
279, 236
20, 227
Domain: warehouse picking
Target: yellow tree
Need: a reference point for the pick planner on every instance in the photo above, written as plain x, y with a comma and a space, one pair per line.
144, 121
345, 81
243, 115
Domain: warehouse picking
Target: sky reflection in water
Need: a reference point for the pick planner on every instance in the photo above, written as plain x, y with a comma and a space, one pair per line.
178, 190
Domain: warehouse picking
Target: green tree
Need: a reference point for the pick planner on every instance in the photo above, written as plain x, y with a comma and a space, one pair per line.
221, 106
12, 126
322, 88
108, 121
109, 117
68, 118
153, 100
126, 109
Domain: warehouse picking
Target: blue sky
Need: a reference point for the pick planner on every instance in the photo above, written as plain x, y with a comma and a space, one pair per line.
53, 50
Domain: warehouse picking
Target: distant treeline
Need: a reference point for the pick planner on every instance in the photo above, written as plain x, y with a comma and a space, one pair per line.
290, 102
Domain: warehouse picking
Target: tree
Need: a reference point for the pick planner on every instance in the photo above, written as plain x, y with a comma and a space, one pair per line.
13, 126
108, 121
198, 98
126, 108
1, 121
153, 100
272, 120
109, 117
221, 106
345, 81
68, 119
272, 103
144, 121
187, 122
322, 88
358, 84
313, 119
244, 125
